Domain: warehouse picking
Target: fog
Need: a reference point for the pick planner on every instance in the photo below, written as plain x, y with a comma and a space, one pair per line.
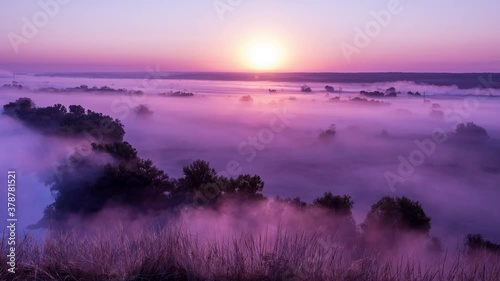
277, 137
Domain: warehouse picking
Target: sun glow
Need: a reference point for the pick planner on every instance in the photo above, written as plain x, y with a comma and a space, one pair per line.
263, 56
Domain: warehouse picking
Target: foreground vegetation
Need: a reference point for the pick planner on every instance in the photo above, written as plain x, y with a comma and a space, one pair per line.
173, 254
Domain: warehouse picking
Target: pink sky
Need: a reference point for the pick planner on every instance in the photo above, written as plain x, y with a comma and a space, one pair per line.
449, 36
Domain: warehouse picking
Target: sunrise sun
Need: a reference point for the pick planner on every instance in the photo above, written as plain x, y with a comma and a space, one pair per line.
263, 56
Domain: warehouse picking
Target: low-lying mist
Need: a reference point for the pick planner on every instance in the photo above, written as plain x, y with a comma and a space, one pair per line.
377, 150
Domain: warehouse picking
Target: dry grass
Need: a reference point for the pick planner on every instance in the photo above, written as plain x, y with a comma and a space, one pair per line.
175, 254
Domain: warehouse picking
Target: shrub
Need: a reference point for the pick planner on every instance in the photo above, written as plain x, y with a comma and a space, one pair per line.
305, 89
470, 132
196, 174
245, 187
397, 214
391, 92
368, 102
476, 242
329, 133
178, 94
246, 99
142, 110
340, 205
20, 106
329, 88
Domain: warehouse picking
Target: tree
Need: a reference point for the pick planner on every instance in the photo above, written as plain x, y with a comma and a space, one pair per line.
246, 99
329, 133
21, 105
88, 187
202, 181
396, 214
305, 89
77, 110
56, 120
329, 88
138, 185
391, 92
195, 175
470, 132
296, 202
341, 205
342, 224
121, 150
476, 242
142, 110
245, 187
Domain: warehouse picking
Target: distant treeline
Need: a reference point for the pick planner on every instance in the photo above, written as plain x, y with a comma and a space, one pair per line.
461, 80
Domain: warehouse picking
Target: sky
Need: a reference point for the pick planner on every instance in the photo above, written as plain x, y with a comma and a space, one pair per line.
250, 35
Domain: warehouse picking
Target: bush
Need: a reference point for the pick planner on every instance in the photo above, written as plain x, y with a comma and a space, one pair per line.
368, 102
340, 205
200, 181
391, 92
123, 151
417, 94
470, 132
295, 202
178, 94
476, 242
305, 89
329, 89
13, 86
397, 214
246, 99
245, 187
142, 110
329, 133
20, 106
372, 94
